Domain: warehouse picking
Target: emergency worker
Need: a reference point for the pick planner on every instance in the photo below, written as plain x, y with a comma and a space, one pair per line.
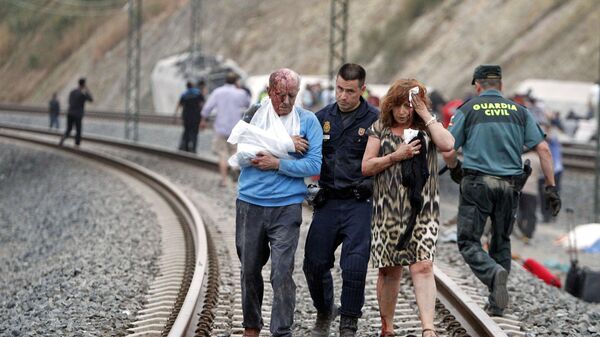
492, 132
191, 102
345, 216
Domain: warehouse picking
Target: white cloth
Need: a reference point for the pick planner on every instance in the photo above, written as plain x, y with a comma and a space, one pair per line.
267, 131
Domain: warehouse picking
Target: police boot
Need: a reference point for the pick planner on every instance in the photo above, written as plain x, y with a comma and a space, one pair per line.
348, 326
323, 323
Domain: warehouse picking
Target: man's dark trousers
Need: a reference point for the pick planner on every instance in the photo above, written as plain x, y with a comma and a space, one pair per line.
54, 120
257, 228
481, 197
189, 138
73, 121
346, 222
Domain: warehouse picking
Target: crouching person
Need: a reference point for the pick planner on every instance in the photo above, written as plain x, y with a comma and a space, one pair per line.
269, 212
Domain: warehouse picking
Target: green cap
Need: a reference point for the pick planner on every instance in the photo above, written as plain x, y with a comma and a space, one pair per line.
485, 71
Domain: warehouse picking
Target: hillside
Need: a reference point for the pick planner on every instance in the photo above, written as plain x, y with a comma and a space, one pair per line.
438, 42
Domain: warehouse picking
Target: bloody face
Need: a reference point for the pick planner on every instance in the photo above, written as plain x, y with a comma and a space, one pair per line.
283, 95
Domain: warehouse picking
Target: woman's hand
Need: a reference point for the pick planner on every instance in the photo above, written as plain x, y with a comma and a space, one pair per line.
406, 151
420, 107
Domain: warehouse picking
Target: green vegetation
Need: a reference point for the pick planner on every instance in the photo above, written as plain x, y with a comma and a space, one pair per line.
48, 35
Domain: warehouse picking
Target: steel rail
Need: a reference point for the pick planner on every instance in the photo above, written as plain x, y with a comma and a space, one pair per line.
92, 113
576, 156
464, 317
189, 294
470, 316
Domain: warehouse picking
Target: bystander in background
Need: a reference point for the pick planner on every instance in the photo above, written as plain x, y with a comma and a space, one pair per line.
229, 102
54, 111
77, 99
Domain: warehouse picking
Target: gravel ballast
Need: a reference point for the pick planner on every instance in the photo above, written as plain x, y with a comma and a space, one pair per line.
77, 246
544, 310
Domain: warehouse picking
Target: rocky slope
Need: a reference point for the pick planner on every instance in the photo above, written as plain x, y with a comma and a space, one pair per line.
438, 42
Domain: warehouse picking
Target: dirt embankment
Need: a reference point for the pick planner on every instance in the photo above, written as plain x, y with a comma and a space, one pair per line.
437, 42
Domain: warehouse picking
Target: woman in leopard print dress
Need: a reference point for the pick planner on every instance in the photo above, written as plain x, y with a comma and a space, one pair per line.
385, 154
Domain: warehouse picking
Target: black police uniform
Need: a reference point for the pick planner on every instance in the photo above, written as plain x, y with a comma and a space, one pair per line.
191, 102
345, 216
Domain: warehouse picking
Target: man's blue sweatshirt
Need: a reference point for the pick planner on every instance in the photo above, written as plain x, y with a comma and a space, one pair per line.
283, 187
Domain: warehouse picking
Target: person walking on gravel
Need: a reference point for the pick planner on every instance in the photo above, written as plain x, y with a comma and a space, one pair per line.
492, 132
269, 211
77, 99
406, 197
345, 215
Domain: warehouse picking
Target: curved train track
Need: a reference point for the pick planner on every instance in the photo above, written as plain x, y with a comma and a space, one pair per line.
193, 304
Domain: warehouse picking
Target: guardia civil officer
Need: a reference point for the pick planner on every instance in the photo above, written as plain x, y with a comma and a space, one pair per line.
493, 132
345, 216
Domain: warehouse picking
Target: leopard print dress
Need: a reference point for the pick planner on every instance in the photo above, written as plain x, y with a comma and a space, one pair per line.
391, 208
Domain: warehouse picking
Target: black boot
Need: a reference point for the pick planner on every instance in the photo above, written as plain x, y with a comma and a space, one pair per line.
323, 323
348, 326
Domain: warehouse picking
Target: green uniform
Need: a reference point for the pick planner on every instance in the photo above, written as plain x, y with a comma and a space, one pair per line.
492, 132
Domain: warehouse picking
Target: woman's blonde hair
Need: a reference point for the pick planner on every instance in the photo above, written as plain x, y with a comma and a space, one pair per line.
398, 95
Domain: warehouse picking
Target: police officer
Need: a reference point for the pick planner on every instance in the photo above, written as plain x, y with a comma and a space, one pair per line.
345, 215
190, 102
492, 132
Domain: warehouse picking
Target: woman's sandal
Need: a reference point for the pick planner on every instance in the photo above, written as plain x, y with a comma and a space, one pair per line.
429, 335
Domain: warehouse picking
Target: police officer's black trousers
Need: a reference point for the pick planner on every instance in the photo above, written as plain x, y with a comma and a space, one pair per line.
73, 121
189, 138
346, 222
260, 232
482, 197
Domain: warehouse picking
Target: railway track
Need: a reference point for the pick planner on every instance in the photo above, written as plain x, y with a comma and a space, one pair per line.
99, 114
575, 155
172, 300
213, 305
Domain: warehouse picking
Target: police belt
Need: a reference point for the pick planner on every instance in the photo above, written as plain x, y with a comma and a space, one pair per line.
511, 179
346, 193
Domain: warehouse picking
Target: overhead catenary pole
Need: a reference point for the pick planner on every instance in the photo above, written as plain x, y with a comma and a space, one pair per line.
132, 90
337, 37
597, 174
195, 37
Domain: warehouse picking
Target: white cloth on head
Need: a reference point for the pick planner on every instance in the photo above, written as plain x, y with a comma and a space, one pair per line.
267, 131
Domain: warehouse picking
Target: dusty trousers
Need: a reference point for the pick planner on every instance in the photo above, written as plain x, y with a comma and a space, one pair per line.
481, 197
260, 232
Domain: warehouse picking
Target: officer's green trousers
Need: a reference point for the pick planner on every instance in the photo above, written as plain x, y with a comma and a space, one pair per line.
484, 197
